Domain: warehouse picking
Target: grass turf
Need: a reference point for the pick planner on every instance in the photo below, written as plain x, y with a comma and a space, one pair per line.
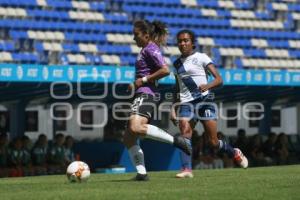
267, 183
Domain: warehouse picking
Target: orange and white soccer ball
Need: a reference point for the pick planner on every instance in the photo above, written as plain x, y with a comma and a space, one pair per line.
78, 171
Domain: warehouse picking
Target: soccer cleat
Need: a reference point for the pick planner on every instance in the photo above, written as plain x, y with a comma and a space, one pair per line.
141, 177
181, 143
240, 159
185, 173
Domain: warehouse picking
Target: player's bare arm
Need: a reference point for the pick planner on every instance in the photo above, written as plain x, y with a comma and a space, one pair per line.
175, 106
162, 72
218, 81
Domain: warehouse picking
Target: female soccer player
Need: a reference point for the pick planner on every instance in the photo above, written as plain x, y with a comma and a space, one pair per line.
196, 103
150, 66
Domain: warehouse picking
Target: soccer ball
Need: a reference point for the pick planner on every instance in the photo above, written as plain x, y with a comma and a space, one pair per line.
78, 171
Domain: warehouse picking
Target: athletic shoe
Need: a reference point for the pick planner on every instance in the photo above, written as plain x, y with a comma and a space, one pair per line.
181, 143
185, 173
141, 177
240, 159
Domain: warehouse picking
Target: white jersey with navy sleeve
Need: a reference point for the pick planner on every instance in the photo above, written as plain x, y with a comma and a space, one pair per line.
191, 72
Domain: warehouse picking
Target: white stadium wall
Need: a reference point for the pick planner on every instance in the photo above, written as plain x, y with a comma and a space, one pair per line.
288, 124
45, 124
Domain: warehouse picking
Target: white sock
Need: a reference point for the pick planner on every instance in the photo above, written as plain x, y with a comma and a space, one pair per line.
137, 158
158, 134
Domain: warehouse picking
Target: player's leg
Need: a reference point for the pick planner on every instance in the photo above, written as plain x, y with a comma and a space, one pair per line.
186, 127
138, 128
143, 108
210, 127
134, 150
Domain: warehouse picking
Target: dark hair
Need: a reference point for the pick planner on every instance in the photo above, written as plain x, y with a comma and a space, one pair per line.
157, 30
59, 135
191, 33
41, 136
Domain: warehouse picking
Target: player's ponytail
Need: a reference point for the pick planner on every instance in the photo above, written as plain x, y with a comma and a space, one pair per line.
160, 32
157, 30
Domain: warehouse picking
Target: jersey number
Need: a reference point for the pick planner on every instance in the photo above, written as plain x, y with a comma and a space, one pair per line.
136, 103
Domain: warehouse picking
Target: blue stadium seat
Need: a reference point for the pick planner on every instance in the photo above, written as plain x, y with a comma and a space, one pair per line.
263, 15
278, 43
98, 6
128, 60
244, 5
116, 17
294, 54
71, 48
208, 4
63, 59
217, 25
25, 57
19, 3
224, 13
255, 53
238, 63
294, 7
48, 14
38, 46
114, 49
7, 46
59, 4
18, 34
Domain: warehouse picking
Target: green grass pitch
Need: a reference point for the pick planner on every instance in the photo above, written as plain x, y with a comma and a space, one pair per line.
267, 183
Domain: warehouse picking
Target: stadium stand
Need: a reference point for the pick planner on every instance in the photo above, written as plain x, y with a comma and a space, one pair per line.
237, 34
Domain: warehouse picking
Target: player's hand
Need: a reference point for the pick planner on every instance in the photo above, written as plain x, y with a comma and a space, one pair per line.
175, 121
138, 83
130, 87
203, 88
173, 118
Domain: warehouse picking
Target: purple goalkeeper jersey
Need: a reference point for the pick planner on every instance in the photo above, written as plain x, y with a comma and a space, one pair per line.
149, 60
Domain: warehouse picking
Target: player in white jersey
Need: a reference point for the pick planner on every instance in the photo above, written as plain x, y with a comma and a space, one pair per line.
195, 101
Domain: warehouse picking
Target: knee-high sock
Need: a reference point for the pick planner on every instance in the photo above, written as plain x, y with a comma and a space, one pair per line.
158, 134
227, 148
137, 158
186, 160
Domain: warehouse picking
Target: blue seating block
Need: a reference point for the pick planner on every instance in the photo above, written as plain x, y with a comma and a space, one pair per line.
115, 17
7, 46
294, 7
48, 14
128, 59
255, 53
19, 3
93, 59
18, 34
74, 48
294, 54
209, 4
238, 63
25, 57
114, 49
38, 46
278, 43
59, 4
233, 42
99, 6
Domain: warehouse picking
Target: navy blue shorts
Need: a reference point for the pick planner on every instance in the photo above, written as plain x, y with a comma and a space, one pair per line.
199, 109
